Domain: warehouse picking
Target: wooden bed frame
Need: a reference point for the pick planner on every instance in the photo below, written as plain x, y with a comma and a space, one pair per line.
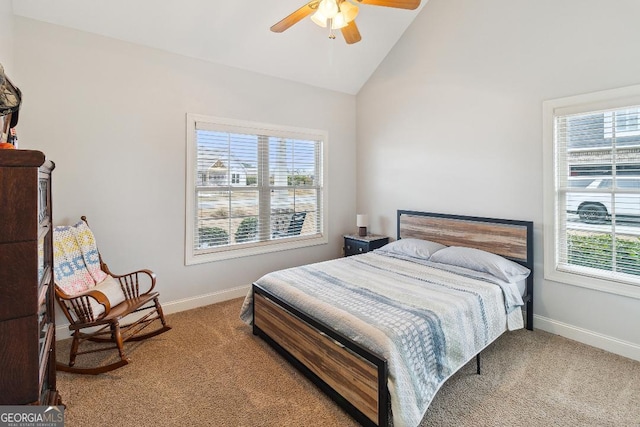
351, 375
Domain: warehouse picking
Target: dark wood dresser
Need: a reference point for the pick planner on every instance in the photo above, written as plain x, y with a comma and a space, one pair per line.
27, 316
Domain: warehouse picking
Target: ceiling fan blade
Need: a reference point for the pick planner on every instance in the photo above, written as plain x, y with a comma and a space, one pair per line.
400, 4
296, 16
351, 33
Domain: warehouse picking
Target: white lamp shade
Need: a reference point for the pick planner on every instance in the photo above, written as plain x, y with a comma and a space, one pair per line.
319, 19
362, 220
328, 8
338, 22
349, 11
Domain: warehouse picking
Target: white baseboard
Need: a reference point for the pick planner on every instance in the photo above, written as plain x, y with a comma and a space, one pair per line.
202, 300
594, 339
62, 330
613, 345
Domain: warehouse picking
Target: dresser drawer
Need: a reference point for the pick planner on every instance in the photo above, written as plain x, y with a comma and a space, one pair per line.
20, 349
15, 226
18, 279
355, 247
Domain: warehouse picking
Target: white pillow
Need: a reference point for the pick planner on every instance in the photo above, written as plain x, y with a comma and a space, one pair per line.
111, 289
414, 248
482, 261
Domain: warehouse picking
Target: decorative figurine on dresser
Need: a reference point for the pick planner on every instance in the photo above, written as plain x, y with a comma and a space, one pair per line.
10, 100
27, 316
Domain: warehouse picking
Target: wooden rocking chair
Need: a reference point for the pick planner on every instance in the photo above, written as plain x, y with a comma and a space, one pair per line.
95, 300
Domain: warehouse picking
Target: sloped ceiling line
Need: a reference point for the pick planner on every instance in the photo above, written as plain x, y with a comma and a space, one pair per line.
236, 33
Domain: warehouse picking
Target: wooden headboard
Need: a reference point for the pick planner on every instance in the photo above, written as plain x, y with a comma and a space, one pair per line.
512, 239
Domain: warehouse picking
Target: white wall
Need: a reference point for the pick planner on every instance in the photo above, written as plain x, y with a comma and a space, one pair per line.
6, 37
111, 115
451, 122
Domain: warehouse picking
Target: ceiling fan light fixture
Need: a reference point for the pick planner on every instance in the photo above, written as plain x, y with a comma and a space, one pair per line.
328, 8
339, 21
319, 19
338, 14
349, 11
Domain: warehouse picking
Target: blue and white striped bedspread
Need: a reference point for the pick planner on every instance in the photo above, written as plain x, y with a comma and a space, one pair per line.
425, 321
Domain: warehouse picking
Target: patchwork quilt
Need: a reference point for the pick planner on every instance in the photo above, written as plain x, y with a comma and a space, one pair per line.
426, 321
76, 259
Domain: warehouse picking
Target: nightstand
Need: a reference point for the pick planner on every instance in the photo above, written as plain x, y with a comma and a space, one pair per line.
354, 244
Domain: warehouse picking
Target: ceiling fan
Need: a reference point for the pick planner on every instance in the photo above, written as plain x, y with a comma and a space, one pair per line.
338, 14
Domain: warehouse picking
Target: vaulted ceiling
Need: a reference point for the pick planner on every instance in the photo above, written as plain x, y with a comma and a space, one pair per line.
236, 33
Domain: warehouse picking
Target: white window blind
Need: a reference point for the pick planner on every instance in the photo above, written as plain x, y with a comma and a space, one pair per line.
597, 194
253, 188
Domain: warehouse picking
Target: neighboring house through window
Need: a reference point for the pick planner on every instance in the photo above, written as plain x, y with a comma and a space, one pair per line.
252, 188
592, 190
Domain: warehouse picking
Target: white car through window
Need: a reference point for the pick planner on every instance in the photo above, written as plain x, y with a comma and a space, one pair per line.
597, 200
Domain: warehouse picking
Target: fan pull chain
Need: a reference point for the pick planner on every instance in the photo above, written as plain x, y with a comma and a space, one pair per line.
330, 25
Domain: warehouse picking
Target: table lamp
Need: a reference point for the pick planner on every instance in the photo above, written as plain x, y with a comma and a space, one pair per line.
362, 221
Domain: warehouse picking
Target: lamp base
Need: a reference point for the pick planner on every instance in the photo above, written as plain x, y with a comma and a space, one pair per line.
362, 231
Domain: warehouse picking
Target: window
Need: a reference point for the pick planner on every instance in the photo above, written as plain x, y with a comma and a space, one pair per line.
592, 190
623, 122
252, 188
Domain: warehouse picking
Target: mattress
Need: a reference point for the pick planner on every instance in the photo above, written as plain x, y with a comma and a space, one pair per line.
425, 319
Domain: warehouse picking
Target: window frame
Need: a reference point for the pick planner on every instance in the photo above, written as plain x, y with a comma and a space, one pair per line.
597, 101
262, 247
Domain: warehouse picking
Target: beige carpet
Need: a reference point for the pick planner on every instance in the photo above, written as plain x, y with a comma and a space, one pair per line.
211, 371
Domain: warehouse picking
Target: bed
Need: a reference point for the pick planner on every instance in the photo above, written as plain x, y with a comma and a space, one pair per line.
381, 332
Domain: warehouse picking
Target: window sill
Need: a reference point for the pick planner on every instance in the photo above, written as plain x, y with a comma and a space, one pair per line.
602, 285
256, 249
